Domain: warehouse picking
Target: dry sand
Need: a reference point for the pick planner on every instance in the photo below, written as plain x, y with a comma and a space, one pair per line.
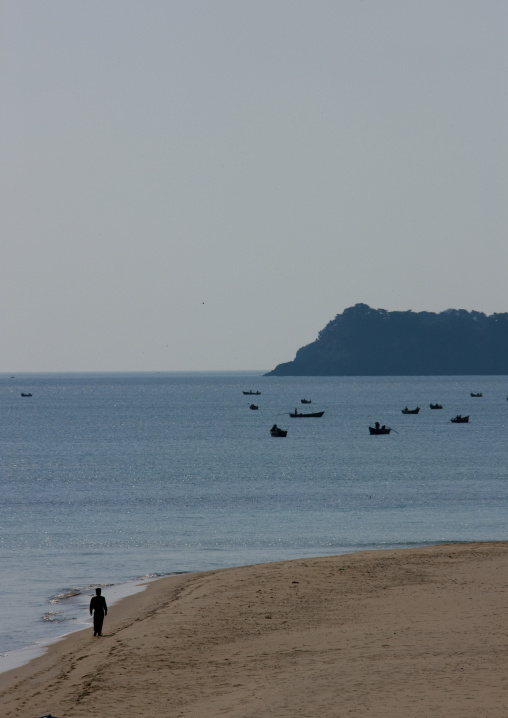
419, 632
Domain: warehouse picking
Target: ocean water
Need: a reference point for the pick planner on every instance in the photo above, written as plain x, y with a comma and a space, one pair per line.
107, 479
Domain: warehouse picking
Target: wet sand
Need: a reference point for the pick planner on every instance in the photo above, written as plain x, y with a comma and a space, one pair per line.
407, 633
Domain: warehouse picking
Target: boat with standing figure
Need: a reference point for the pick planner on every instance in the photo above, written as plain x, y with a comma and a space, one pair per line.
299, 415
275, 431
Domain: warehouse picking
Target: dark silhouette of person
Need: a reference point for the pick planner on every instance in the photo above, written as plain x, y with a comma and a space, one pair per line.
99, 609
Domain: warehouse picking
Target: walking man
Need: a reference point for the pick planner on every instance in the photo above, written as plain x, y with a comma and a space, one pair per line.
99, 609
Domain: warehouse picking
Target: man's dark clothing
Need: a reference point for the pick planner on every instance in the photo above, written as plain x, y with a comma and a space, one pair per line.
99, 608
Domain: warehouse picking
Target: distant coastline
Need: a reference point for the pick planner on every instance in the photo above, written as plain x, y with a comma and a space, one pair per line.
375, 342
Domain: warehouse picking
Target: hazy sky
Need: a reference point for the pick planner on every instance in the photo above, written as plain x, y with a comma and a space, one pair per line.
204, 184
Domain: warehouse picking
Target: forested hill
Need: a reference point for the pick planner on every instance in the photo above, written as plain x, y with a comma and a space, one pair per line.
374, 342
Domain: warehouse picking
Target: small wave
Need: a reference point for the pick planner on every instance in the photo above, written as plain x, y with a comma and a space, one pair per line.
67, 593
64, 595
151, 576
56, 617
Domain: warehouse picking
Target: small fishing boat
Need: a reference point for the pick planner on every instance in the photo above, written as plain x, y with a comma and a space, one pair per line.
479, 394
253, 407
275, 431
411, 411
436, 406
298, 414
306, 401
252, 393
460, 419
379, 430
22, 394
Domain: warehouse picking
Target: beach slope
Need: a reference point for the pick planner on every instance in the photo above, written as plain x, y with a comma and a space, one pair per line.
404, 634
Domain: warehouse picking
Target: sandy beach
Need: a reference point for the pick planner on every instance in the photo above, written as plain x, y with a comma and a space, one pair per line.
418, 632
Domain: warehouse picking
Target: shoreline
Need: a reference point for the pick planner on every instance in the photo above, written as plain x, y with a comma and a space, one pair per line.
18, 657
401, 632
115, 592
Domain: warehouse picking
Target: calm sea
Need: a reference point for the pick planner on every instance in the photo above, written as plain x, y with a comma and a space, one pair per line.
109, 478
